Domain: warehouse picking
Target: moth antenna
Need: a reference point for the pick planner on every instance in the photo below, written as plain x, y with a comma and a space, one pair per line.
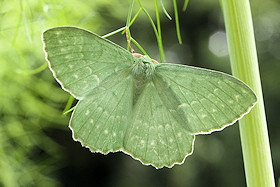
154, 61
141, 56
137, 55
128, 41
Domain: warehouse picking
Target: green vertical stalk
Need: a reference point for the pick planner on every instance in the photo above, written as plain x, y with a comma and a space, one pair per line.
244, 64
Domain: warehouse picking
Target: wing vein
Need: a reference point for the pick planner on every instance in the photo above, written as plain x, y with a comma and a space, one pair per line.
191, 105
111, 113
86, 77
65, 73
203, 95
206, 109
156, 128
240, 104
82, 111
177, 143
67, 45
220, 98
85, 59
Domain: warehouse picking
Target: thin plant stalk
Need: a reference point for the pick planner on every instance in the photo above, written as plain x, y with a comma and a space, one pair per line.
244, 64
177, 22
162, 57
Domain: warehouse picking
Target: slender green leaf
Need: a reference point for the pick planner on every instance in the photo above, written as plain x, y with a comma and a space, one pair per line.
162, 57
177, 21
161, 52
114, 32
139, 46
185, 5
34, 71
164, 10
68, 108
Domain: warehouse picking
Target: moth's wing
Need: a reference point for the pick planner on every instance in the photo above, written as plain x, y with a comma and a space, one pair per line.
80, 59
100, 120
208, 100
154, 137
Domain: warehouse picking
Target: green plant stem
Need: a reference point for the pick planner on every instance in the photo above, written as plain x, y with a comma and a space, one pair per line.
114, 32
139, 46
244, 64
164, 10
161, 51
177, 22
162, 57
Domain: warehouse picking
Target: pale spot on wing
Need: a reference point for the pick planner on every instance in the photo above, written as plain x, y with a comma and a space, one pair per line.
70, 66
76, 76
124, 118
67, 56
114, 134
237, 96
97, 78
203, 115
214, 110
97, 126
222, 105
191, 116
122, 134
62, 49
230, 101
168, 85
170, 140
58, 32
87, 112
142, 141
106, 131
243, 91
210, 95
203, 100
85, 84
153, 143
80, 48
90, 70
179, 134
171, 110
216, 90
194, 102
183, 105
60, 41
99, 109
91, 121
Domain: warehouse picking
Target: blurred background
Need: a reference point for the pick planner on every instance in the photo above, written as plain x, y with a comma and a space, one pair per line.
36, 147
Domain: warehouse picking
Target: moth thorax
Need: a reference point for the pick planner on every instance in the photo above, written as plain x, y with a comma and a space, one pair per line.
143, 67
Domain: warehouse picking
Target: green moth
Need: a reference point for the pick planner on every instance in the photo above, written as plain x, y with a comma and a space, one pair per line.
131, 104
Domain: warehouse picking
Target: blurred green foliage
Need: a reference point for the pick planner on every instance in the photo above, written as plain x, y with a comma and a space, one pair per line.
36, 148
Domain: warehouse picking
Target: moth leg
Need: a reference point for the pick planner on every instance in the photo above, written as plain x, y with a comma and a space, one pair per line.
128, 40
